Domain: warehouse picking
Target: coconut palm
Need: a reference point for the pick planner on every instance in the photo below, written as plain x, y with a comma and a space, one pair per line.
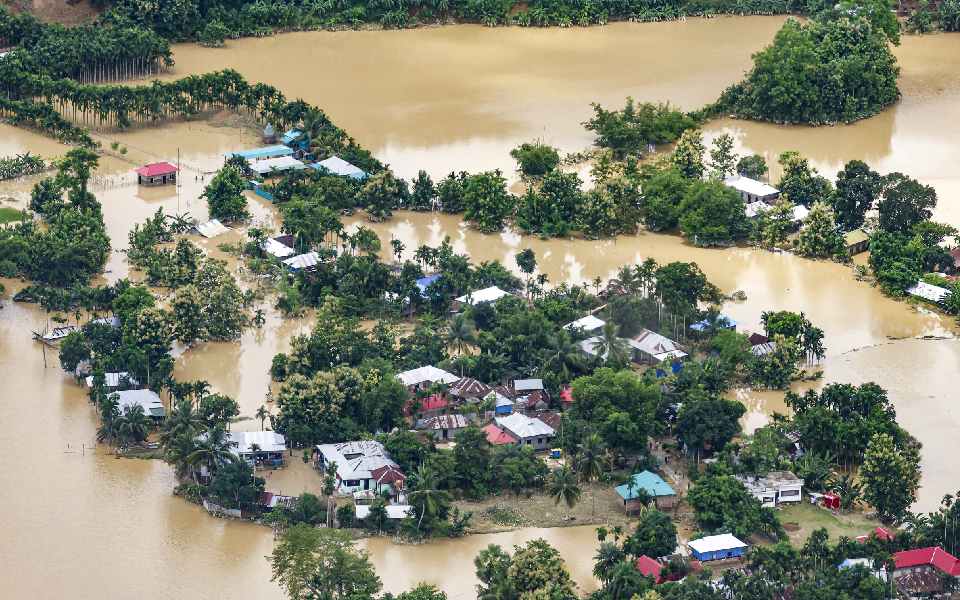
610, 347
563, 487
213, 450
262, 414
132, 426
591, 461
460, 333
608, 556
425, 494
183, 421
564, 357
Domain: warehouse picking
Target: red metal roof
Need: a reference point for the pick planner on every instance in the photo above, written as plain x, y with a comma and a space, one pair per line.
649, 567
156, 169
566, 395
497, 436
432, 402
933, 556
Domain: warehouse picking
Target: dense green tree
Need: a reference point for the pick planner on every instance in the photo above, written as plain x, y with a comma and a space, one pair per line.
380, 195
828, 70
424, 192
891, 476
631, 130
712, 214
707, 423
654, 536
662, 194
905, 203
723, 160
687, 156
224, 195
486, 201
753, 166
721, 503
322, 564
235, 486
535, 159
858, 188
819, 235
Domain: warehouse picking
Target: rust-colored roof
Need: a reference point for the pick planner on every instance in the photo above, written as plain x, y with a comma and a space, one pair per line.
388, 474
497, 436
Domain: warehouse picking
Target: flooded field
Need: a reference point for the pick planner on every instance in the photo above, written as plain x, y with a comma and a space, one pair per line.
85, 525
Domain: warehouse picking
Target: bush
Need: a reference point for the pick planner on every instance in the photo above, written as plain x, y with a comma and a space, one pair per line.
346, 516
535, 159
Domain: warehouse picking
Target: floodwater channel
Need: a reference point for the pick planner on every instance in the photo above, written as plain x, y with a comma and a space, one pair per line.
82, 524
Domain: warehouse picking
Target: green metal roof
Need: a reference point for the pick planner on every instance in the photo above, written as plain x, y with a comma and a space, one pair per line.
651, 482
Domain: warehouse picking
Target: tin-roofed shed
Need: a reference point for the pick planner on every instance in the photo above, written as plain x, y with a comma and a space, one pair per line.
338, 166
646, 484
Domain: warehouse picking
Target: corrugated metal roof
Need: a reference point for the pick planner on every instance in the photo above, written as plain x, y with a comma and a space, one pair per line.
338, 166
211, 228
527, 385
490, 294
523, 426
750, 186
278, 164
427, 374
263, 153
716, 543
302, 261
587, 323
648, 481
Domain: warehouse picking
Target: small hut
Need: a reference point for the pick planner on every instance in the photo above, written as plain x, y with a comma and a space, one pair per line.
160, 173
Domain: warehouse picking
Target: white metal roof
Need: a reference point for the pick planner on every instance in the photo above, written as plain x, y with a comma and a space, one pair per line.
750, 186
527, 385
714, 543
587, 323
355, 460
211, 228
267, 441
302, 261
280, 163
523, 426
490, 294
933, 293
113, 379
427, 374
275, 248
671, 355
652, 343
148, 399
754, 209
394, 511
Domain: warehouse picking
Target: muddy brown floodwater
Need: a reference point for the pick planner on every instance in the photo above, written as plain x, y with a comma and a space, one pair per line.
82, 524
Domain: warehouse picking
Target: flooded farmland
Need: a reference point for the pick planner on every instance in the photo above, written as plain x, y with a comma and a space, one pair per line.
83, 524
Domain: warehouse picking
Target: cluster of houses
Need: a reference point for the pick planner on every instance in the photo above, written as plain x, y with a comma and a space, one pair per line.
760, 197
517, 413
291, 152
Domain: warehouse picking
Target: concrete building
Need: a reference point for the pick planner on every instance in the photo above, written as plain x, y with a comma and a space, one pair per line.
775, 488
529, 431
361, 466
717, 547
259, 448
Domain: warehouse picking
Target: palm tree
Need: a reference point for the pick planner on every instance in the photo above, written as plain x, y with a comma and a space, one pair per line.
563, 487
845, 486
132, 426
564, 357
177, 454
425, 493
610, 347
591, 460
262, 414
608, 556
213, 450
183, 421
460, 333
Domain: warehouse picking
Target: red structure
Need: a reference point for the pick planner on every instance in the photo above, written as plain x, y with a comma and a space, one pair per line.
159, 173
934, 557
650, 568
831, 501
881, 533
497, 436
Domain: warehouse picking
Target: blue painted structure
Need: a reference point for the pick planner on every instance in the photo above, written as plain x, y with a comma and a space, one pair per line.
338, 166
503, 406
296, 139
723, 322
717, 547
275, 151
650, 482
424, 282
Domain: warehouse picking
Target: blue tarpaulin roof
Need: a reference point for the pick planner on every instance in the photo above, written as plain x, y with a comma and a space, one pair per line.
723, 322
651, 482
338, 166
424, 282
265, 152
291, 136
